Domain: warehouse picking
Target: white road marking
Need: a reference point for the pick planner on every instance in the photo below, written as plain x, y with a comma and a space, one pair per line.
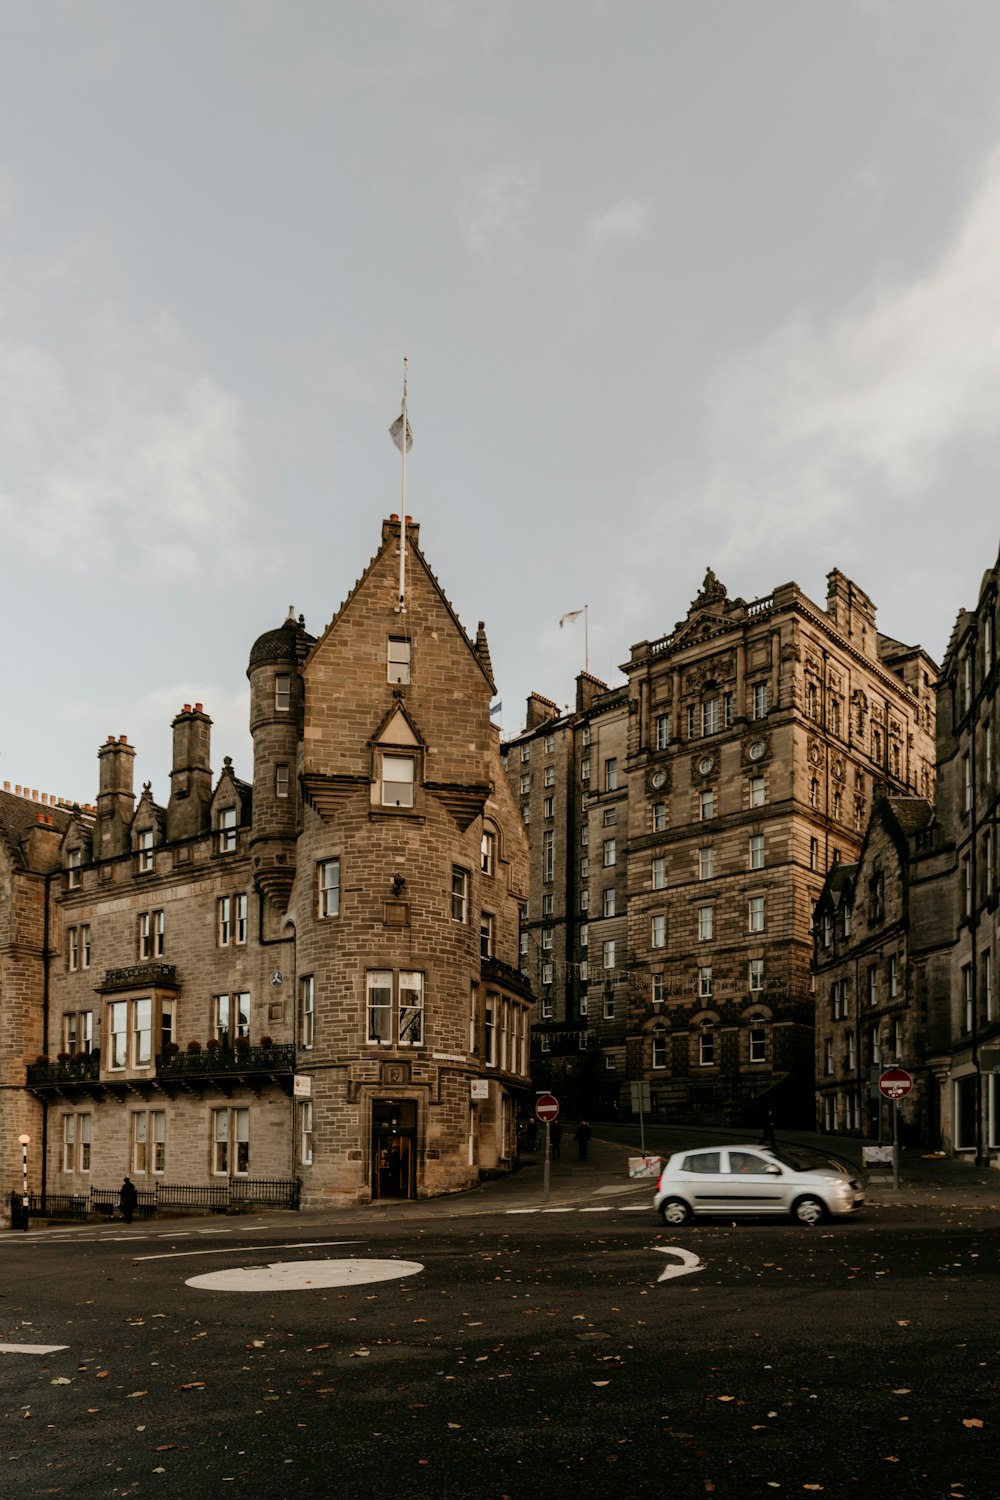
689, 1262
227, 1250
32, 1348
605, 1210
301, 1275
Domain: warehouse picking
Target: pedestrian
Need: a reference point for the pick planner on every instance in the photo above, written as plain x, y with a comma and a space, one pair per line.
555, 1136
531, 1133
128, 1197
582, 1139
767, 1135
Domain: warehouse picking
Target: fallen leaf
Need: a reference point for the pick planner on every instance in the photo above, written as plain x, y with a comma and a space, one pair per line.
600, 1382
133, 1394
971, 1422
725, 1398
61, 1380
902, 1322
194, 1385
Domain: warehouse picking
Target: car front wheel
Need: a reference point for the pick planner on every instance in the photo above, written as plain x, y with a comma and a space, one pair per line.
808, 1211
674, 1211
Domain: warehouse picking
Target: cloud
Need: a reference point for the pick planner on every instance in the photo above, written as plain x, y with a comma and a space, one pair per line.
126, 454
625, 221
808, 426
494, 210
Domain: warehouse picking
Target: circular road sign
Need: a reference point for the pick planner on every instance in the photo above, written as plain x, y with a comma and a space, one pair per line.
895, 1083
547, 1108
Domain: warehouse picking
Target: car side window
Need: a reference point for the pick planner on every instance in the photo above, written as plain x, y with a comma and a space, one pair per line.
747, 1163
703, 1161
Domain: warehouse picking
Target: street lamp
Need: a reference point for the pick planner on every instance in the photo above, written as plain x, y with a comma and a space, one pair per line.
24, 1142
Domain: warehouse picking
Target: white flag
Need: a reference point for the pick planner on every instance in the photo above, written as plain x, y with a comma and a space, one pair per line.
396, 433
570, 617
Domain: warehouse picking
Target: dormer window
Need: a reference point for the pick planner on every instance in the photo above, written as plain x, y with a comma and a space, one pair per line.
144, 851
397, 781
227, 830
74, 858
399, 660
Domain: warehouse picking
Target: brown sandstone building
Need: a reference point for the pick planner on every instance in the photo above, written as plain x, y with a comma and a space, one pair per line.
308, 981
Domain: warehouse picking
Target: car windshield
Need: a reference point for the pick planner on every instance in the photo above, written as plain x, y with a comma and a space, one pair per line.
805, 1159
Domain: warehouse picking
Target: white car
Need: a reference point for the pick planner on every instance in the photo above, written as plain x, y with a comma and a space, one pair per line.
750, 1180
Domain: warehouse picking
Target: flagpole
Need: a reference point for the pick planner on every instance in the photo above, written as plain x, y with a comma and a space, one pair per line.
586, 640
402, 512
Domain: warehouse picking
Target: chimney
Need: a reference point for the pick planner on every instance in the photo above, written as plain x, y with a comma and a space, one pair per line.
189, 808
115, 799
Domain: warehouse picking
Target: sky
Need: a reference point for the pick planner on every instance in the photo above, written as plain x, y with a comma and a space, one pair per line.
681, 285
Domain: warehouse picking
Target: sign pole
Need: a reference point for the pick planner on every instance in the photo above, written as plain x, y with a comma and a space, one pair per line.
895, 1144
548, 1157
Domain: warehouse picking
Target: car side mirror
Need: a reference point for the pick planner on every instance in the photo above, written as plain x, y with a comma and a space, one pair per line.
773, 1170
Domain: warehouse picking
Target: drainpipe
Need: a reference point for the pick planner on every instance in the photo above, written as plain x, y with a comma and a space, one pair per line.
982, 1157
275, 943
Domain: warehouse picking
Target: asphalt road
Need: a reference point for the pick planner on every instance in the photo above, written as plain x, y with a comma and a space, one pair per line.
518, 1355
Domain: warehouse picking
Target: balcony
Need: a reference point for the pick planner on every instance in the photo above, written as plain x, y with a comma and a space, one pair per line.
178, 1072
506, 975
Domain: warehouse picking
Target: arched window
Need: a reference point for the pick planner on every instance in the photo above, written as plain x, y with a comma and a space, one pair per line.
758, 1037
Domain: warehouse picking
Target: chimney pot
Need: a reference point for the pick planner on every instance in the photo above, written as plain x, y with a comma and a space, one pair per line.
394, 516
198, 708
123, 739
186, 709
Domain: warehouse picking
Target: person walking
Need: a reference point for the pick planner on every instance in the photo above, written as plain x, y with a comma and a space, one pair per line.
582, 1139
767, 1134
128, 1197
555, 1136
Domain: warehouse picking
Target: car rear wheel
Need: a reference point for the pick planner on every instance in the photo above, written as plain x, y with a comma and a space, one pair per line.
808, 1210
674, 1211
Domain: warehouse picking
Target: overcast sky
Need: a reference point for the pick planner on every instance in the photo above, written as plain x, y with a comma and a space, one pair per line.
681, 285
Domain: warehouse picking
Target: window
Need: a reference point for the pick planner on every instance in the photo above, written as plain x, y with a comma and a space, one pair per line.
409, 987
609, 852
225, 921
706, 923
659, 990
550, 743
759, 703
584, 971
659, 1048
282, 692
329, 888
756, 851
144, 850
828, 1057
525, 783
893, 975
705, 980
662, 729
706, 862
756, 974
487, 923
608, 901
851, 1057
585, 768
148, 1137
305, 1132
608, 953
240, 908
814, 793
459, 895
281, 780
74, 858
813, 855
76, 1141
397, 781
307, 1011
756, 914
585, 835
398, 659
706, 804
230, 1142
526, 812
658, 933
548, 807
757, 791
129, 1028
838, 807
986, 984
487, 852
812, 700
151, 935
548, 855
659, 814
659, 873
611, 774
546, 939
610, 1064
231, 1017
585, 899
758, 1038
706, 1045
967, 1011
610, 817
548, 904
584, 935
525, 754
609, 1005
73, 949
547, 973
490, 1031
871, 980
227, 830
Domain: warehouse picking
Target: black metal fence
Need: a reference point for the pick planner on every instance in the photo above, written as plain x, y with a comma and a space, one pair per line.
235, 1195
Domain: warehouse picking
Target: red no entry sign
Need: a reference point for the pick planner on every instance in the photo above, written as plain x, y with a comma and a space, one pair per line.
547, 1108
895, 1083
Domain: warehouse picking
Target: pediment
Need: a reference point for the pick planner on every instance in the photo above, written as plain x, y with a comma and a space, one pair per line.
398, 729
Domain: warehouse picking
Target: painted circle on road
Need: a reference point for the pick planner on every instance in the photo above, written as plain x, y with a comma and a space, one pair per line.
304, 1275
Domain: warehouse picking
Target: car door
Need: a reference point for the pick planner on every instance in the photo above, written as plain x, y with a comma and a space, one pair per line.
752, 1185
700, 1181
